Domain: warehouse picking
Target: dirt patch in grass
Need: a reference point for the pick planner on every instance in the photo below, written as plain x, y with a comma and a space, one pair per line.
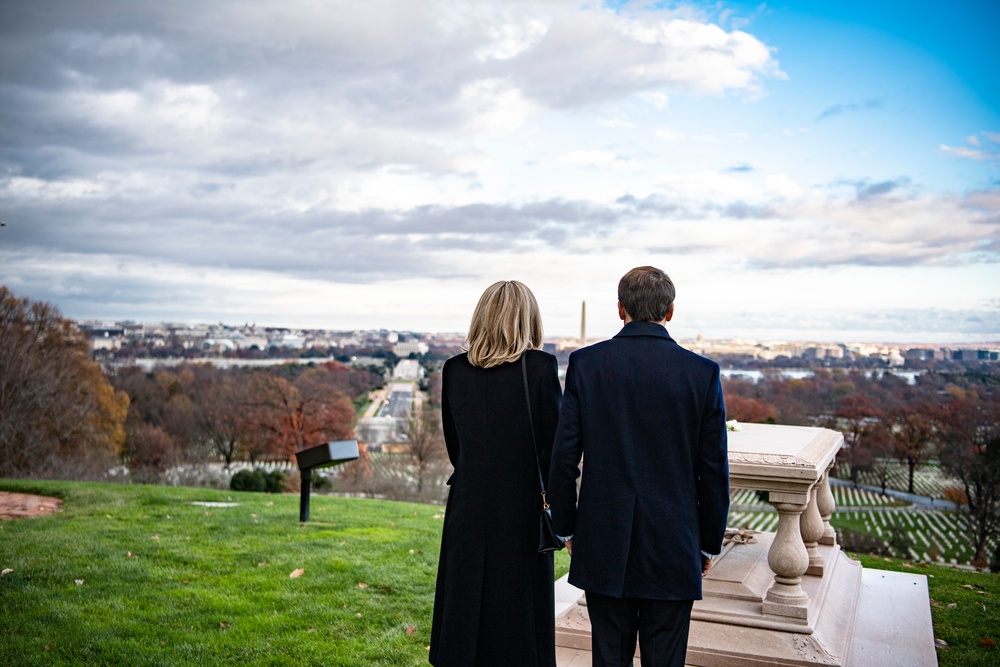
26, 505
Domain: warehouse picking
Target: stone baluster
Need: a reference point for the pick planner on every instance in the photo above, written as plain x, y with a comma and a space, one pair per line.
789, 560
824, 498
811, 526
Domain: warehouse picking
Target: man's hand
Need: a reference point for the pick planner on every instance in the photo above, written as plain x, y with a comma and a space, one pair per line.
569, 547
706, 565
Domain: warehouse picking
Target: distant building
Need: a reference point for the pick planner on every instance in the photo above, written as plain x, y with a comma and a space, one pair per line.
248, 342
410, 347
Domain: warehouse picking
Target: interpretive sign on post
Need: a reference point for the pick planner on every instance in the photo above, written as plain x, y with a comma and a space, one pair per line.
321, 456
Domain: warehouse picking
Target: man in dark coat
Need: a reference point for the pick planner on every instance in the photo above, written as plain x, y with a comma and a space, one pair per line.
647, 418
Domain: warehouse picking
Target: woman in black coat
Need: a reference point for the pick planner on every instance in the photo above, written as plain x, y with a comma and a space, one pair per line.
494, 602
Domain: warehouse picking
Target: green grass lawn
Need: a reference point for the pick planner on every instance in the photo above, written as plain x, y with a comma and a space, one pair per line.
165, 582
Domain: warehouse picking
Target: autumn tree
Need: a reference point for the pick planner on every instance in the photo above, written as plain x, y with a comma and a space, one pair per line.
222, 417
161, 429
970, 450
59, 414
149, 452
750, 410
911, 427
426, 444
861, 422
303, 413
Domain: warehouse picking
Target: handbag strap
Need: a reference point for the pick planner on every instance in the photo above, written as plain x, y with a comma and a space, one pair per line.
531, 423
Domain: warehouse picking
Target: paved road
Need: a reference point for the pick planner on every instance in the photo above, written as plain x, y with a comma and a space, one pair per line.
921, 502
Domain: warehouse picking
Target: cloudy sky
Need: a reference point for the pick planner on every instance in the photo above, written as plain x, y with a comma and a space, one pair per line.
802, 170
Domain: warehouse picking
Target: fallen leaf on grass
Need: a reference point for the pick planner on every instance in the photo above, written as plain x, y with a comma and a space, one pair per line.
438, 516
223, 624
358, 615
5, 572
888, 560
255, 516
969, 586
909, 565
296, 573
48, 647
986, 642
940, 643
934, 603
362, 584
412, 552
385, 589
79, 582
262, 563
129, 554
155, 537
411, 629
952, 605
311, 630
270, 505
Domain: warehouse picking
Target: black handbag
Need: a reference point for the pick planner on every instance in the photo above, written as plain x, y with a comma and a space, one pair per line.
547, 538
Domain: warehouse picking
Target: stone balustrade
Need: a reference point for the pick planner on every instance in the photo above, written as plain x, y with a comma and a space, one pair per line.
792, 464
790, 597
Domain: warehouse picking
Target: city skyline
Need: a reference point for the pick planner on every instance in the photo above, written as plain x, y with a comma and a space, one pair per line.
803, 171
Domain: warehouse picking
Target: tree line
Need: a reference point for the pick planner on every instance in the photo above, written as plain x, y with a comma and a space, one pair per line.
951, 418
193, 413
62, 416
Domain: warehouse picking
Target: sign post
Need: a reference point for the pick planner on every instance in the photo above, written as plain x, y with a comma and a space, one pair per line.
321, 456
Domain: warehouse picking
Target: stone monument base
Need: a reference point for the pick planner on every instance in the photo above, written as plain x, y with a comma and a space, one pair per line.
855, 617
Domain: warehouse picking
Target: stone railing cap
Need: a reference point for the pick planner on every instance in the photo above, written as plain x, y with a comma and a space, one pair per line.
757, 447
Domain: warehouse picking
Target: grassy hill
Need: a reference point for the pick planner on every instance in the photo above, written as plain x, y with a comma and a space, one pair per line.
139, 575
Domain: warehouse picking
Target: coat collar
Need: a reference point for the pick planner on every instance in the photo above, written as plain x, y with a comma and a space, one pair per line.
644, 329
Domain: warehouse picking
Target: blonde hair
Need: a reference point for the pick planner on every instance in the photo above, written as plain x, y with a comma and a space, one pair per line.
506, 322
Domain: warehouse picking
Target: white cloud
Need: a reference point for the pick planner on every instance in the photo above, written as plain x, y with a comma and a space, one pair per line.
970, 153
507, 40
494, 105
976, 152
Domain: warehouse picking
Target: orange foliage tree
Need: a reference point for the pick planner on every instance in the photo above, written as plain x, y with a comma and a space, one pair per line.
59, 414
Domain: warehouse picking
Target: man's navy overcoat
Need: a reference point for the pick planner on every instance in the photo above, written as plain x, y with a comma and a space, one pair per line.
648, 419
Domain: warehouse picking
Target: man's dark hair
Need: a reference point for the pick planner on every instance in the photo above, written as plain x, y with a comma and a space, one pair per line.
646, 293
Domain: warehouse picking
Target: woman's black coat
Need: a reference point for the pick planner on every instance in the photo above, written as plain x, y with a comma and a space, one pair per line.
494, 600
